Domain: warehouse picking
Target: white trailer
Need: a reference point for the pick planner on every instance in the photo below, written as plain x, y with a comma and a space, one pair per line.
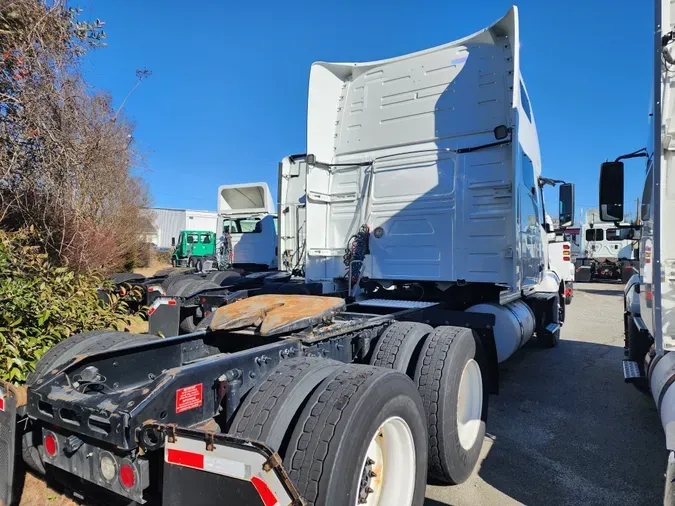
247, 223
650, 296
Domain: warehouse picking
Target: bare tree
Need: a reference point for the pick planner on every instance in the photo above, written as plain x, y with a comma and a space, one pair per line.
66, 155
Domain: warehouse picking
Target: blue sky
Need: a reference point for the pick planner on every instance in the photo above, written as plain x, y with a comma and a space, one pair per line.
227, 96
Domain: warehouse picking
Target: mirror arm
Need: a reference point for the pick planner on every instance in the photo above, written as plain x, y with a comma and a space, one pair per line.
640, 153
543, 181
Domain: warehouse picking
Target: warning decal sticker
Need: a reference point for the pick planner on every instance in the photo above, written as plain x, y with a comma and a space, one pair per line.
188, 398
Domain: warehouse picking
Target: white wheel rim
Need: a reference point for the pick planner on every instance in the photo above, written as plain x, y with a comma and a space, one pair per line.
387, 475
469, 404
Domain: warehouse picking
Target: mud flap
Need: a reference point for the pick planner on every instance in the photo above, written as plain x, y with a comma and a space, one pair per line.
164, 317
8, 446
203, 468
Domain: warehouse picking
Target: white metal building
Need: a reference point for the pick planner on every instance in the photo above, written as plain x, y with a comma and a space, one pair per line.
169, 222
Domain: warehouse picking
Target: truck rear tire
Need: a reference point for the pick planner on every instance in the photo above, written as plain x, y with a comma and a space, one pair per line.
125, 277
267, 411
168, 283
360, 439
82, 344
397, 346
219, 276
455, 399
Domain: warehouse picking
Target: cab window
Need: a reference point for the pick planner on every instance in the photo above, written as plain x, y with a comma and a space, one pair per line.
206, 239
528, 174
646, 207
192, 238
243, 226
595, 234
525, 102
613, 234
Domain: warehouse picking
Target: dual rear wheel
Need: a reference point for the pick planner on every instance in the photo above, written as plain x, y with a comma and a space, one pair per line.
353, 435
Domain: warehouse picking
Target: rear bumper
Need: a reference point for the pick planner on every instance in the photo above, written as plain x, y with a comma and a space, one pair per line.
174, 466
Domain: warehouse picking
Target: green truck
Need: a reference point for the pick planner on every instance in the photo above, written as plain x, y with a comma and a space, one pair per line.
193, 245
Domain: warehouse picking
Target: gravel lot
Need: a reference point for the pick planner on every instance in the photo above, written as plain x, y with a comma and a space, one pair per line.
565, 428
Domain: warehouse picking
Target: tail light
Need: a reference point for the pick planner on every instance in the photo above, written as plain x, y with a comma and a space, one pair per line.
51, 445
127, 475
172, 302
566, 259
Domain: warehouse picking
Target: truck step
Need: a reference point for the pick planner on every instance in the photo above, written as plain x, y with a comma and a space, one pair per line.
396, 304
631, 371
552, 328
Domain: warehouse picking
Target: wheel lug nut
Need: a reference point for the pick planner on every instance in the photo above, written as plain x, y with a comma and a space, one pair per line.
370, 461
369, 490
372, 474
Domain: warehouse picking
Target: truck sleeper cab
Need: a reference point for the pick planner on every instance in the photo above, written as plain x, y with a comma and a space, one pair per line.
357, 395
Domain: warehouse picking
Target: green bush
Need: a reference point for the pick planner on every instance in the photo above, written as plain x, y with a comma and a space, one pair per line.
41, 305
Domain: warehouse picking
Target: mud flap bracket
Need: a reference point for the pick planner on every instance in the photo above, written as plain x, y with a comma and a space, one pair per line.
8, 438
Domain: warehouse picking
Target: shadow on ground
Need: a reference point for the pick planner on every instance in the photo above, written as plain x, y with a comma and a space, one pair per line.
565, 428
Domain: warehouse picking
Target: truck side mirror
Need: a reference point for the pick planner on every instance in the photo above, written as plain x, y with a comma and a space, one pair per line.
173, 242
566, 209
611, 191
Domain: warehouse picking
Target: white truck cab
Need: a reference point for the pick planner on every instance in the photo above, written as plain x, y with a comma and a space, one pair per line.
247, 222
650, 295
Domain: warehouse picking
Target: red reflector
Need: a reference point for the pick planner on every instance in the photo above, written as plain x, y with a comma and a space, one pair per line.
151, 289
202, 300
568, 292
207, 313
171, 302
268, 498
50, 445
650, 295
127, 475
566, 259
2, 403
151, 310
183, 458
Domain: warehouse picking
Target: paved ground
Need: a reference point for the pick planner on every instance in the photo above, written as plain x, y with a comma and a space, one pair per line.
565, 428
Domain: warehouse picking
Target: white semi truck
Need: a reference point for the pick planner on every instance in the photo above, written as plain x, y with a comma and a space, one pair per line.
247, 227
423, 225
650, 296
607, 250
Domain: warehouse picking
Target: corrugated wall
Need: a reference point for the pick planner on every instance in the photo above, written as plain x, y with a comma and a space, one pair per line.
168, 223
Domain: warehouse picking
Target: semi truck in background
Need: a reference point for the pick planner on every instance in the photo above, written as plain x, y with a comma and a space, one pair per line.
560, 262
607, 251
649, 302
247, 227
193, 246
420, 218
